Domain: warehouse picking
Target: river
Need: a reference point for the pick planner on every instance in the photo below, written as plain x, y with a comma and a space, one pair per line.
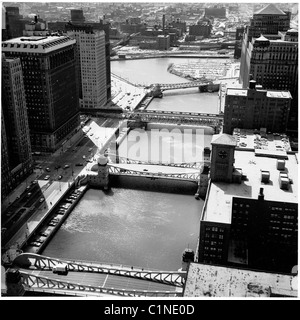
135, 224
149, 71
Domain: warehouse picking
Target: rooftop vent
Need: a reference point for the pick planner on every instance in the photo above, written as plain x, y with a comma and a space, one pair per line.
280, 164
284, 181
265, 176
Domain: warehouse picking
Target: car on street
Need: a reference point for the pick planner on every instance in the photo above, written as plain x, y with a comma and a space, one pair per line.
79, 164
42, 199
66, 166
47, 177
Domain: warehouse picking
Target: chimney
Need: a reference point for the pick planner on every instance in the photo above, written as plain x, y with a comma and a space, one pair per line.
261, 194
252, 84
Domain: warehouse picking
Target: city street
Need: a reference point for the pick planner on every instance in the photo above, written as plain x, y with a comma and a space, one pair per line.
53, 175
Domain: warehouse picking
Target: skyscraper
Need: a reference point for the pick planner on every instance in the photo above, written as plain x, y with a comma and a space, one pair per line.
270, 55
77, 25
16, 148
91, 60
49, 70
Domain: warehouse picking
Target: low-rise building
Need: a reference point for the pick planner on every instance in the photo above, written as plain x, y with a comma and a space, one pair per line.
254, 108
250, 215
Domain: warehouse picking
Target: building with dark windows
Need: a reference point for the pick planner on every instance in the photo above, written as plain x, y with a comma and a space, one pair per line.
16, 155
238, 42
274, 65
163, 42
270, 55
256, 108
51, 89
254, 223
268, 21
202, 28
15, 23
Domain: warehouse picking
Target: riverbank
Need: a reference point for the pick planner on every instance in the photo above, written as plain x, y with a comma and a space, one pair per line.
154, 56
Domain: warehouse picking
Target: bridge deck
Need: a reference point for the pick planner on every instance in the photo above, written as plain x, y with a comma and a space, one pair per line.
104, 281
155, 169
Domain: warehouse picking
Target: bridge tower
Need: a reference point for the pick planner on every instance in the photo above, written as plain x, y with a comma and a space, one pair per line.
156, 91
14, 286
203, 179
103, 174
188, 256
222, 157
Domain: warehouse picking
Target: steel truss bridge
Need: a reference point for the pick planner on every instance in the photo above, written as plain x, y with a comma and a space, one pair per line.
183, 85
188, 118
33, 265
119, 171
114, 158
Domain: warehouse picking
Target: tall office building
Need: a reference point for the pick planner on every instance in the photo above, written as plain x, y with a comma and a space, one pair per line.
92, 61
77, 25
270, 55
49, 71
254, 223
268, 21
16, 148
256, 108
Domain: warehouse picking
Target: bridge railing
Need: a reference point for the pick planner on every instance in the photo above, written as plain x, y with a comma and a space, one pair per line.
32, 281
35, 261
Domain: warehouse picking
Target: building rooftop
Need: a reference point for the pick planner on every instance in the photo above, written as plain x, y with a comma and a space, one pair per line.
269, 93
251, 163
37, 44
261, 140
270, 9
224, 139
216, 281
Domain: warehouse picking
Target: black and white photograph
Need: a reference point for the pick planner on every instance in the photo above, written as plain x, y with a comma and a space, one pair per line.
149, 152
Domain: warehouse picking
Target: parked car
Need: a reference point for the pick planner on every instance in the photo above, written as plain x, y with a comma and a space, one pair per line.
48, 169
47, 177
59, 177
66, 166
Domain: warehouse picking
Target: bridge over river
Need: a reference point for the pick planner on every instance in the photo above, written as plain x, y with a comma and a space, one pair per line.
92, 278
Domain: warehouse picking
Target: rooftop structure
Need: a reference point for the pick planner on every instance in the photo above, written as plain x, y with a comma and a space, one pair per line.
216, 281
37, 44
